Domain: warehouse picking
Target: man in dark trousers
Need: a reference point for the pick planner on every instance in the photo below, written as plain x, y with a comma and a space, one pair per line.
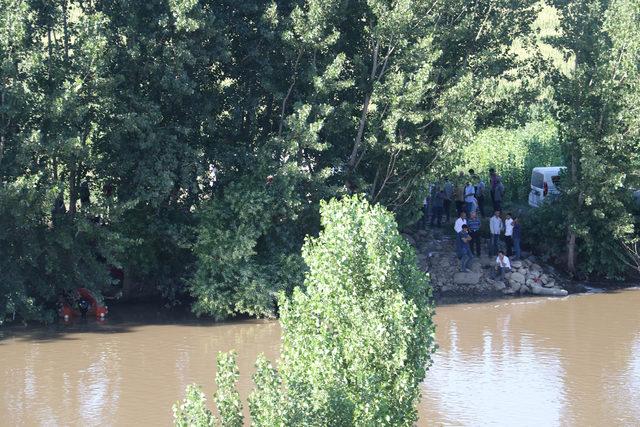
474, 231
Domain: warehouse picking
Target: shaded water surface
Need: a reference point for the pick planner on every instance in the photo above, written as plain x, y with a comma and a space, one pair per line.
540, 362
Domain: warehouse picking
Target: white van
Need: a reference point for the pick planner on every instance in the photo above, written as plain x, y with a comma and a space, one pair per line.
544, 183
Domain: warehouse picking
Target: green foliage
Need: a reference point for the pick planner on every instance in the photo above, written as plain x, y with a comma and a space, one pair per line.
248, 249
357, 342
266, 402
328, 97
514, 153
599, 131
193, 411
44, 255
227, 397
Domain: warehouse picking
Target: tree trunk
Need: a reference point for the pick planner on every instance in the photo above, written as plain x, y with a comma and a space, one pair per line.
73, 191
356, 145
572, 255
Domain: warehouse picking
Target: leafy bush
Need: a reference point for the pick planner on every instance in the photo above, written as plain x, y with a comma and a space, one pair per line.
247, 249
514, 153
43, 256
605, 223
358, 340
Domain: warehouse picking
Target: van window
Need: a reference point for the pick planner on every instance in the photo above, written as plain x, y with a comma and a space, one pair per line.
555, 180
537, 179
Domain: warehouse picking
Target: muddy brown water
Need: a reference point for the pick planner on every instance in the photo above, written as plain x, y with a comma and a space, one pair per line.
541, 362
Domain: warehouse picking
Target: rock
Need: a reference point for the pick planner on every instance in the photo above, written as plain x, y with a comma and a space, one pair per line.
423, 233
515, 287
532, 259
518, 278
516, 264
524, 271
549, 284
539, 290
448, 288
535, 267
544, 279
466, 278
476, 267
498, 286
508, 291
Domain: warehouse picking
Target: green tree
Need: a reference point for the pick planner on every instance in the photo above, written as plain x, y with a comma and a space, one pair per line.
599, 130
357, 341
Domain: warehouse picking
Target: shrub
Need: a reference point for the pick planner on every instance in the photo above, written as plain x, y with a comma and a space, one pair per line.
358, 340
247, 249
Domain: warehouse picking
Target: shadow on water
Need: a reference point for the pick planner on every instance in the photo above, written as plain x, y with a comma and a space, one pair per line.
129, 317
123, 318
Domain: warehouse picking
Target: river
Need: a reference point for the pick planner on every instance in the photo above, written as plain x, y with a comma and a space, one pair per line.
573, 361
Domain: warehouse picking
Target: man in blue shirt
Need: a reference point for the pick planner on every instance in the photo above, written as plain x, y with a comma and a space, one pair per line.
465, 254
474, 232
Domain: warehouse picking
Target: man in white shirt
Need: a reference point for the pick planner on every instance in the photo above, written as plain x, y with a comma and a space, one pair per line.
503, 265
495, 227
462, 220
508, 234
457, 227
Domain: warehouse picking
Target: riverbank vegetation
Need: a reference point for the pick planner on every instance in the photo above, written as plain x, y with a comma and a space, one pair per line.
356, 340
181, 149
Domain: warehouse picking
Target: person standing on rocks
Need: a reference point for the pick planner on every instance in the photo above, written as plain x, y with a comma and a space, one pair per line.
465, 254
474, 231
495, 228
498, 195
457, 227
469, 196
460, 186
480, 194
493, 180
517, 229
462, 220
448, 192
508, 234
437, 205
503, 266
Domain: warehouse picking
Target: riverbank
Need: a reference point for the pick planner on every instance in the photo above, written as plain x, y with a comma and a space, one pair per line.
437, 256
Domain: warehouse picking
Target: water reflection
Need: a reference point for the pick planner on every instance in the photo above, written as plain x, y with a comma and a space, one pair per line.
539, 362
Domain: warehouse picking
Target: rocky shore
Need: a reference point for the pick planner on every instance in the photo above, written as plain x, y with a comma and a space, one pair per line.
437, 256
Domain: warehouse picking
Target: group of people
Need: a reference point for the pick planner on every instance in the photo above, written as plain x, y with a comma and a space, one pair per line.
469, 240
467, 192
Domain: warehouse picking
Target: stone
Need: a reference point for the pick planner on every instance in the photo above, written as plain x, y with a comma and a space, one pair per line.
498, 286
544, 279
535, 267
518, 278
523, 271
515, 287
508, 291
448, 288
539, 290
549, 284
516, 264
466, 278
423, 233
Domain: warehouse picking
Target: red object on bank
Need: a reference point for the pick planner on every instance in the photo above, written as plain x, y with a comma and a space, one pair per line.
100, 311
